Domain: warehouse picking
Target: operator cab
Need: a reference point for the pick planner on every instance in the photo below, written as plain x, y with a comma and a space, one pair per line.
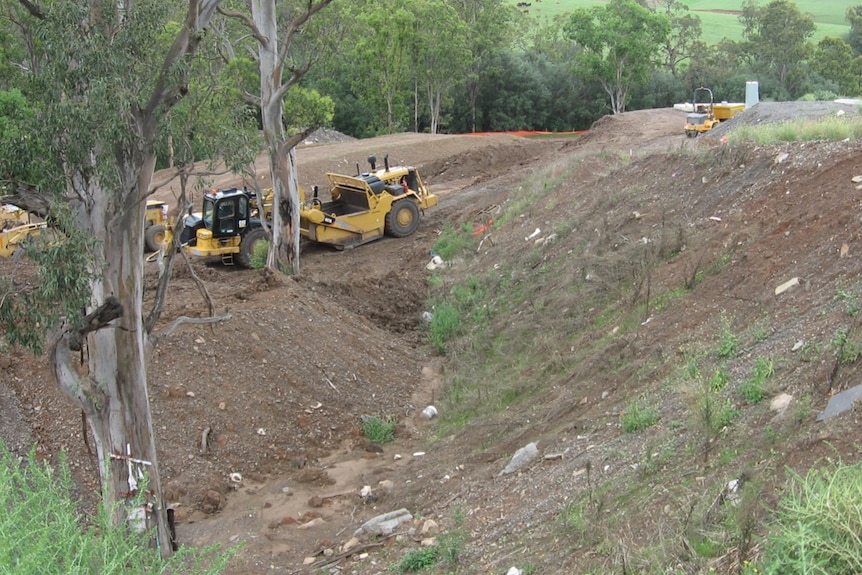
226, 212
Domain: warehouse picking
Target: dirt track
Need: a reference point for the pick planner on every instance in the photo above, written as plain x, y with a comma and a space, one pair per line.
284, 385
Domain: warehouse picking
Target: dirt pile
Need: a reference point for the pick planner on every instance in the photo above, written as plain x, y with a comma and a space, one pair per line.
258, 420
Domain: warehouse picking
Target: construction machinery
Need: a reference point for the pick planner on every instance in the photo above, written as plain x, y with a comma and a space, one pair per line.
15, 229
155, 225
366, 206
362, 208
228, 227
707, 114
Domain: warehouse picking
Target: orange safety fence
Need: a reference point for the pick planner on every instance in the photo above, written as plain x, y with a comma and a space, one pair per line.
527, 133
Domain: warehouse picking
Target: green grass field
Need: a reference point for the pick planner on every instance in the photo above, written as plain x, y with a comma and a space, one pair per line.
719, 18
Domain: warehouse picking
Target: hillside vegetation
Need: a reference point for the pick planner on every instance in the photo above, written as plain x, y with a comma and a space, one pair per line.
629, 315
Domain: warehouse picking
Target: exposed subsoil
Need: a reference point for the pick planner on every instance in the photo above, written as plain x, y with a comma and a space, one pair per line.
282, 388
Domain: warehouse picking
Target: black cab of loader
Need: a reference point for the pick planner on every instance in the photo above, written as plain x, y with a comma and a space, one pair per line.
226, 213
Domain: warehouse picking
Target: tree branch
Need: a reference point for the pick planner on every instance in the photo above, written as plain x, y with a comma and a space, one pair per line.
192, 320
34, 10
249, 23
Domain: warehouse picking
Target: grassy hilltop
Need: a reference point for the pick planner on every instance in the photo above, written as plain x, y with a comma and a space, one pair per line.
719, 18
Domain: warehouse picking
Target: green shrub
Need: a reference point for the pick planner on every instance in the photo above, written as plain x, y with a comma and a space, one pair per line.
260, 250
418, 559
753, 389
637, 417
378, 430
453, 241
817, 525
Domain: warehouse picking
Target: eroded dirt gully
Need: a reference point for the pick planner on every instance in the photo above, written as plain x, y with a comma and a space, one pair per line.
283, 386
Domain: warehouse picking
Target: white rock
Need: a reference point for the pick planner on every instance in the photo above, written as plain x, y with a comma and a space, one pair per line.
522, 458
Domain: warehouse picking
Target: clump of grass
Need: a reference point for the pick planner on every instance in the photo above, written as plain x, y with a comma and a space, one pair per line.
378, 430
446, 551
817, 526
638, 417
453, 241
847, 349
42, 531
753, 389
728, 342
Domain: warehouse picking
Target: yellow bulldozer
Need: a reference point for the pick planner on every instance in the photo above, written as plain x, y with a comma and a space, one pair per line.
16, 228
706, 114
361, 208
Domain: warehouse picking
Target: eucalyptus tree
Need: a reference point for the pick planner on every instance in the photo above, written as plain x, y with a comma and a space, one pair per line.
283, 60
382, 40
777, 37
853, 15
440, 54
491, 25
100, 86
684, 38
619, 44
833, 60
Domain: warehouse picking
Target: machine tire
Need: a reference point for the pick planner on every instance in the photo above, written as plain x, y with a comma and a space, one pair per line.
154, 237
246, 247
403, 219
691, 133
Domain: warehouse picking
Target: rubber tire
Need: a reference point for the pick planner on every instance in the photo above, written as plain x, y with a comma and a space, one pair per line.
246, 247
154, 237
403, 219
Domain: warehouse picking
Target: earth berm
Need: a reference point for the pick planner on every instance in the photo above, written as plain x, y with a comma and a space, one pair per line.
687, 240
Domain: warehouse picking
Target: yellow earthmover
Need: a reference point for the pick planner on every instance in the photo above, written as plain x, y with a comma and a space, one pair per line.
362, 208
707, 114
15, 229
366, 206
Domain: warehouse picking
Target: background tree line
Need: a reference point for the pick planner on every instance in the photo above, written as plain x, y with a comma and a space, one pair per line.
483, 65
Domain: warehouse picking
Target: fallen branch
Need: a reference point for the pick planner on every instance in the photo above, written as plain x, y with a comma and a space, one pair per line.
192, 320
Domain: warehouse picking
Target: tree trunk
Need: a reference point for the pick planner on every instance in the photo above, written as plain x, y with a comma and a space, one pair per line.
272, 110
114, 395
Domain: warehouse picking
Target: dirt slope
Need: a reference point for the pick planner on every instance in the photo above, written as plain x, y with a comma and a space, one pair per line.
283, 386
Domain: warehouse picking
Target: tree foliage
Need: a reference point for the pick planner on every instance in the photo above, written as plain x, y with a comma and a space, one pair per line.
777, 39
619, 44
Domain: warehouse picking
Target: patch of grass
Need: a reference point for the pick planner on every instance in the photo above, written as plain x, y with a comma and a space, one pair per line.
574, 518
445, 323
833, 129
638, 417
42, 530
728, 341
378, 430
847, 349
260, 250
446, 552
418, 559
454, 241
752, 390
851, 302
719, 379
